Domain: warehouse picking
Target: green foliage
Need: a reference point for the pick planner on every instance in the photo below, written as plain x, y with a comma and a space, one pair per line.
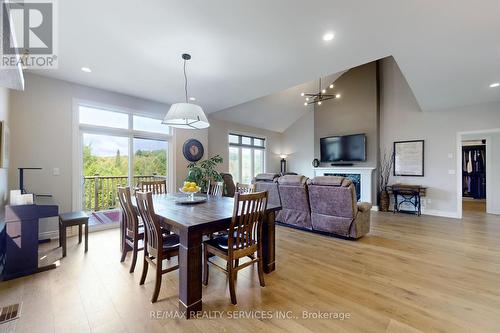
206, 170
145, 163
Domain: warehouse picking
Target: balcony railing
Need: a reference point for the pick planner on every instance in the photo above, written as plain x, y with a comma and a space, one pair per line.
100, 192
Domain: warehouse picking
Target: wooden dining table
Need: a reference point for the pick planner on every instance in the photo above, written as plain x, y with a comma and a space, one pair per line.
191, 222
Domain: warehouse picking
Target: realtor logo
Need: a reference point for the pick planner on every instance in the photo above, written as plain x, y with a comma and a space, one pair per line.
28, 34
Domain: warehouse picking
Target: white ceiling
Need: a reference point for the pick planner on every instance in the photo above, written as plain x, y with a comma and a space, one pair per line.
449, 50
278, 111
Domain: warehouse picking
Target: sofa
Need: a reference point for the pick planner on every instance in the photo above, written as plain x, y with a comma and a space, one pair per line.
268, 182
294, 201
334, 208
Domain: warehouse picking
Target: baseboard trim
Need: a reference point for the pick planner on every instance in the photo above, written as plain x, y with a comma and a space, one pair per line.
440, 213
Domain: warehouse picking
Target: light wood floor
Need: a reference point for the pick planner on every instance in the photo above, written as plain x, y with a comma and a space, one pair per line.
409, 274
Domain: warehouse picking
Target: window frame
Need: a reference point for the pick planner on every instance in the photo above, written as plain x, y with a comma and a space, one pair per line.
250, 146
129, 133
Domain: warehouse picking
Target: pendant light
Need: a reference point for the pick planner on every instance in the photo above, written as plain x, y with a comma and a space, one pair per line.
186, 115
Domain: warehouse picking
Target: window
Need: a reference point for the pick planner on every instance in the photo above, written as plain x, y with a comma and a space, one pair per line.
246, 157
117, 148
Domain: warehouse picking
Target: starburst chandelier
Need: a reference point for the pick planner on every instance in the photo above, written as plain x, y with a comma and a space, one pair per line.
321, 96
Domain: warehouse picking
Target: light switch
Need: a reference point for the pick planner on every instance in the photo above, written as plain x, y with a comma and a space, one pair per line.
451, 171
56, 172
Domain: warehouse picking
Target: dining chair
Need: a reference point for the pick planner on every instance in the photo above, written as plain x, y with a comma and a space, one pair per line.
158, 245
133, 231
245, 188
244, 239
215, 188
155, 186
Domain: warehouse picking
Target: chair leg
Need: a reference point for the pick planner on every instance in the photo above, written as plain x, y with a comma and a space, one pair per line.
134, 256
79, 233
236, 262
231, 273
60, 234
158, 281
145, 266
205, 265
63, 233
260, 267
124, 252
86, 237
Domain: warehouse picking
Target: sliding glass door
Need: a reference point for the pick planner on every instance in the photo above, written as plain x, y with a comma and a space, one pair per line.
117, 148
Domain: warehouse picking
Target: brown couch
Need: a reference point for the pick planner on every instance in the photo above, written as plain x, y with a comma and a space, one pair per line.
334, 208
294, 201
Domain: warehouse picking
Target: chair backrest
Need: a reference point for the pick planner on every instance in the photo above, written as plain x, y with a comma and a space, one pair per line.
152, 228
229, 187
154, 186
215, 188
333, 196
245, 188
246, 224
129, 215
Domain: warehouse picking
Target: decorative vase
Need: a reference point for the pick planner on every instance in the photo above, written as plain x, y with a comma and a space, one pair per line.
384, 201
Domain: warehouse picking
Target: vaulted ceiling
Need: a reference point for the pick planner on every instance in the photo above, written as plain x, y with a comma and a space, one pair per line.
448, 50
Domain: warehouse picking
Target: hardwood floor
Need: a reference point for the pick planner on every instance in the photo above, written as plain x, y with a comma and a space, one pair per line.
410, 274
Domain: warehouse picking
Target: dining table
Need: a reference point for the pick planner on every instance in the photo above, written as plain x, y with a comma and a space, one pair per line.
194, 221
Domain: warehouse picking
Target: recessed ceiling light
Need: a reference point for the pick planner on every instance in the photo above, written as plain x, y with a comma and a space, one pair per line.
305, 103
328, 36
494, 85
337, 96
331, 86
86, 69
192, 98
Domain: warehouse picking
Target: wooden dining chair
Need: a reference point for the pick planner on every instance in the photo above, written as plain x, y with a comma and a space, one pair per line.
244, 239
245, 188
133, 238
154, 186
158, 245
215, 188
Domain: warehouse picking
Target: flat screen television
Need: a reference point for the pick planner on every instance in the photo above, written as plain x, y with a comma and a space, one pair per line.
347, 148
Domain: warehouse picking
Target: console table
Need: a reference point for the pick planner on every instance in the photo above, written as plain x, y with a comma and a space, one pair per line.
410, 194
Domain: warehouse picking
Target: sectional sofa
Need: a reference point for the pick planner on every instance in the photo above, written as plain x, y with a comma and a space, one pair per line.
325, 204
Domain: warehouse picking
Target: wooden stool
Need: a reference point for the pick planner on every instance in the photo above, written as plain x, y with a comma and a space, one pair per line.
69, 220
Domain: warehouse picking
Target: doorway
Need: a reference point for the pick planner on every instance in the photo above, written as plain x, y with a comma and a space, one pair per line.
474, 174
478, 186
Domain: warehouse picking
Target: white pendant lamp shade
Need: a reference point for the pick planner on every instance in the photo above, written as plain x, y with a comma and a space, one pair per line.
187, 116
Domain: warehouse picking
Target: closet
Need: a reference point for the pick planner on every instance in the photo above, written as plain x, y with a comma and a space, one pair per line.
474, 170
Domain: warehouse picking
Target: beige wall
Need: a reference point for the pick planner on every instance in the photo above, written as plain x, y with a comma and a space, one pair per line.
41, 134
4, 116
218, 142
354, 113
402, 119
298, 145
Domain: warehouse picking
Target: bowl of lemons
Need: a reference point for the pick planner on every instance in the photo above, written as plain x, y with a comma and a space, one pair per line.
190, 188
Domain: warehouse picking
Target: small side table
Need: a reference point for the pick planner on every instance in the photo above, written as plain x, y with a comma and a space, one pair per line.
69, 220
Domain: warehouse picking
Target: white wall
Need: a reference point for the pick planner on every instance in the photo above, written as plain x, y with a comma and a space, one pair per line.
41, 134
218, 142
298, 145
402, 119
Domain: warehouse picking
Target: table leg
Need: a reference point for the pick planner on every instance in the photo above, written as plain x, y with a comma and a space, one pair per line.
268, 242
190, 267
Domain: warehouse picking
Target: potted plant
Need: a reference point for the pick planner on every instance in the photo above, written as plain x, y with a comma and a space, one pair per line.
385, 172
202, 172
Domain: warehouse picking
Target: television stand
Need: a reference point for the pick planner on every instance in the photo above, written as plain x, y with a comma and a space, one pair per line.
342, 164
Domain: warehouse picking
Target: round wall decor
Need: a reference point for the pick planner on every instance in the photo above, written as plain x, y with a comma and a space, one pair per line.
315, 163
193, 150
